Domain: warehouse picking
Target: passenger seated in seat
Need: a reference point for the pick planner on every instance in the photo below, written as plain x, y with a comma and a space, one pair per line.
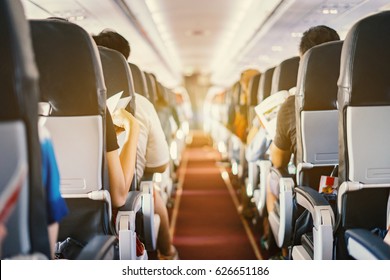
284, 143
152, 148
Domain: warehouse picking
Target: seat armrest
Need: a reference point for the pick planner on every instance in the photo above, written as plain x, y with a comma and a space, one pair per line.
281, 220
261, 194
149, 230
363, 244
133, 202
125, 225
323, 221
313, 197
252, 178
286, 205
101, 247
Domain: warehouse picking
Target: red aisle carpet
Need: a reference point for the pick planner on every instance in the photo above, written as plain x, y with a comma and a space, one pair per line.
207, 226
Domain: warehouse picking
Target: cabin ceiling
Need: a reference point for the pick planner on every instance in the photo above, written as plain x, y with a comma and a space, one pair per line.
216, 38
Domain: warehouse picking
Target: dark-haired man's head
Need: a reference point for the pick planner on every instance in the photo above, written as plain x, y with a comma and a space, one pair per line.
113, 40
315, 36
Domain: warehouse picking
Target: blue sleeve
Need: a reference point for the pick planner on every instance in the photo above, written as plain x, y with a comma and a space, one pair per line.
56, 206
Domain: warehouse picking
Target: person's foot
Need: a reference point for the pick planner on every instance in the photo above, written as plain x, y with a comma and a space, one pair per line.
174, 255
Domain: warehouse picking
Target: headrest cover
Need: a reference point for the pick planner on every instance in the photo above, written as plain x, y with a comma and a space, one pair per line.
18, 72
285, 75
139, 80
317, 77
253, 89
365, 63
265, 84
117, 74
71, 77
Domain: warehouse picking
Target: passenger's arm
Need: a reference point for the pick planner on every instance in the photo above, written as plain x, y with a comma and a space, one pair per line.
121, 168
116, 177
280, 158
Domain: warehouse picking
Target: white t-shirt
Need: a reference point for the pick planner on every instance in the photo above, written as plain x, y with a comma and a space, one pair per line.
152, 148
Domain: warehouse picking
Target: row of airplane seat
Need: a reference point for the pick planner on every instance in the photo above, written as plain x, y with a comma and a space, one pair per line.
332, 198
56, 65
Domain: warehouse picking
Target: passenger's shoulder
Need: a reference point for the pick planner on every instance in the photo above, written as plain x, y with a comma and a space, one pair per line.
140, 99
289, 104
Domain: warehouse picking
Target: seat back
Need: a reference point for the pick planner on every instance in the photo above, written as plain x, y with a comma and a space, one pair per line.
20, 160
283, 79
72, 83
117, 75
316, 109
285, 75
265, 84
253, 89
164, 110
364, 110
140, 85
233, 98
151, 84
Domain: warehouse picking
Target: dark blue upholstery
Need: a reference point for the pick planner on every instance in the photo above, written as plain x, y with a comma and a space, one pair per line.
117, 75
151, 85
140, 85
285, 75
69, 66
253, 90
317, 78
265, 84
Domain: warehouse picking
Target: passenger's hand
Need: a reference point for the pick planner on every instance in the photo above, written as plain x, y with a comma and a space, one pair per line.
124, 120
